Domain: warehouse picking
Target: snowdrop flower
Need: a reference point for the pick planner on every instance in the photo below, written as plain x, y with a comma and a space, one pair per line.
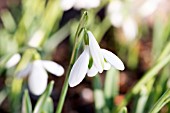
93, 60
38, 78
79, 4
123, 13
130, 28
121, 16
13, 60
148, 7
115, 9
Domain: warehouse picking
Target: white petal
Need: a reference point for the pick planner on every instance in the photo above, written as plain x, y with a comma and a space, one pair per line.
107, 66
86, 4
115, 13
116, 19
92, 71
13, 60
25, 71
130, 29
95, 52
79, 68
114, 6
149, 7
67, 4
113, 59
53, 67
37, 80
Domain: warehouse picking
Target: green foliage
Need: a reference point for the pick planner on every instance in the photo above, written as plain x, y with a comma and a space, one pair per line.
26, 103
42, 106
20, 23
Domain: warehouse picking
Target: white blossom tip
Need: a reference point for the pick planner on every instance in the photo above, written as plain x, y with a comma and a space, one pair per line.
92, 71
113, 59
67, 4
13, 60
37, 81
53, 67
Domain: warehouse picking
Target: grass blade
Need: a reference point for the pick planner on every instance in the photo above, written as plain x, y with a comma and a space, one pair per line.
41, 101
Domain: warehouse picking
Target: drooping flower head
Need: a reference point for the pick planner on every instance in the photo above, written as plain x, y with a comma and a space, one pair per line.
37, 75
125, 14
93, 60
121, 15
36, 72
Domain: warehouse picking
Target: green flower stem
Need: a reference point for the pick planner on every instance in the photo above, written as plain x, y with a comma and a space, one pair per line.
73, 58
15, 95
161, 102
16, 86
148, 76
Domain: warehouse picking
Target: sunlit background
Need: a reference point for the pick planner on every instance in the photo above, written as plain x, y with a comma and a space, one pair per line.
138, 31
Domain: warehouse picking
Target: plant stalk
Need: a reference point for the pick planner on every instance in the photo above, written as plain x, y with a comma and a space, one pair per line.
73, 58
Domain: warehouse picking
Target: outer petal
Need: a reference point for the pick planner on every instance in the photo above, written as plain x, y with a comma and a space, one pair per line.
37, 80
130, 29
115, 12
95, 52
67, 4
79, 68
92, 71
113, 59
86, 4
148, 7
53, 67
13, 60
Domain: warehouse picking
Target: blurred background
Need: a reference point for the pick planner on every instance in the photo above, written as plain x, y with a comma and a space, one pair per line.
138, 31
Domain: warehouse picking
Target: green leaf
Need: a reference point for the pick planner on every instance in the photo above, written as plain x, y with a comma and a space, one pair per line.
8, 20
48, 107
141, 100
3, 95
26, 103
100, 105
43, 99
111, 87
123, 110
164, 99
148, 76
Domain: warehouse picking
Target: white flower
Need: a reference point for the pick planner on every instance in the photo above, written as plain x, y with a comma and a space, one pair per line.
13, 60
130, 28
148, 7
37, 79
122, 16
79, 4
67, 4
101, 60
115, 9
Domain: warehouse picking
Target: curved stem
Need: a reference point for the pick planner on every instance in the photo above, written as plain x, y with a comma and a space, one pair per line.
73, 58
